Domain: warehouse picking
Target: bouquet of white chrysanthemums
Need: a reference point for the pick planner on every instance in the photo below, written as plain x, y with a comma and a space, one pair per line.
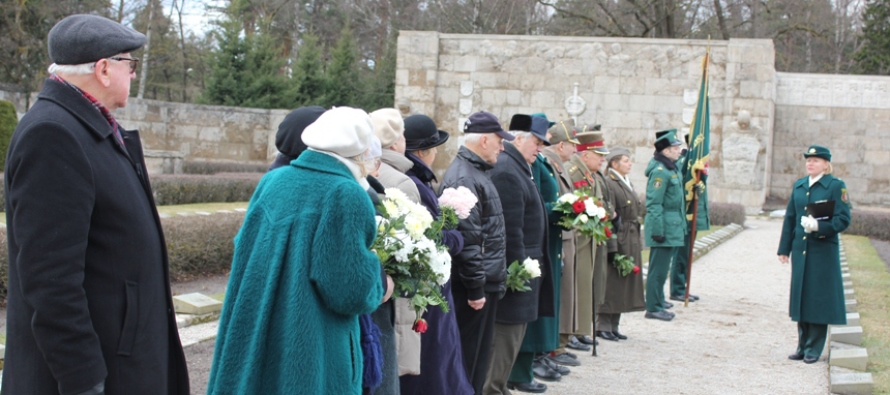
519, 274
418, 265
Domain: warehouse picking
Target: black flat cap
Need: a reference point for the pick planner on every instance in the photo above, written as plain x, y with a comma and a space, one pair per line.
81, 38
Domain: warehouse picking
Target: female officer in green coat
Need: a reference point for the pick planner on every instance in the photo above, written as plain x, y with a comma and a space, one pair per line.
817, 291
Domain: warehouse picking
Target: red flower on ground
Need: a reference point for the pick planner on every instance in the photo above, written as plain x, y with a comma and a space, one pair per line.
420, 326
608, 232
636, 270
578, 207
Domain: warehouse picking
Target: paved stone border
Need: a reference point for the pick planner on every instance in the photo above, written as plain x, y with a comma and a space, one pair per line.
706, 244
847, 359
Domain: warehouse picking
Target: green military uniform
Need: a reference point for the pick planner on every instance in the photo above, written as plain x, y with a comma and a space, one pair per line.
564, 131
703, 222
584, 253
817, 291
665, 218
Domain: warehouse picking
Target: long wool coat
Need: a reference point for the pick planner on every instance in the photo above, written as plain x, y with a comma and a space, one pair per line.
542, 335
568, 306
89, 292
817, 291
526, 231
302, 273
624, 294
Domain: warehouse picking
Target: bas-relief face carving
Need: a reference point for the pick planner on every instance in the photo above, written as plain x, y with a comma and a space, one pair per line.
744, 119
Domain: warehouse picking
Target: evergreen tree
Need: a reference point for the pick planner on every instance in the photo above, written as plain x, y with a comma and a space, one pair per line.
381, 87
266, 85
874, 55
309, 73
228, 63
343, 85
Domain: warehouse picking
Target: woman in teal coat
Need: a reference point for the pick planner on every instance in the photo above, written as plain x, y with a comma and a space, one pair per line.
817, 291
303, 272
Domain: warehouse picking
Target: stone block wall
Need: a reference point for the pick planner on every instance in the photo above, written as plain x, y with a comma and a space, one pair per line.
848, 114
633, 87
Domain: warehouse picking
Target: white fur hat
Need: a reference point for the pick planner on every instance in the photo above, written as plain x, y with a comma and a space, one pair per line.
344, 131
388, 126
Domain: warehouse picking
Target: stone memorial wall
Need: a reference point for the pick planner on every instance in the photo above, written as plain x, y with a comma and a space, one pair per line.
633, 87
850, 115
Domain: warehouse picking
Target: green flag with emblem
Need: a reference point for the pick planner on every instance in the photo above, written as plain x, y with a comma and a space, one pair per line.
695, 165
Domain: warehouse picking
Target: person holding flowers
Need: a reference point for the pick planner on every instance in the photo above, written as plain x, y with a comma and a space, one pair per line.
563, 140
303, 269
624, 284
665, 219
441, 362
526, 233
401, 345
480, 268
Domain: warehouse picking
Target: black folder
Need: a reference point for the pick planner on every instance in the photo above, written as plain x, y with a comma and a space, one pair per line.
822, 210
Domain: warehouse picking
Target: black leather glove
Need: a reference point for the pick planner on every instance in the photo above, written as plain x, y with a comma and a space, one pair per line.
658, 239
616, 224
611, 256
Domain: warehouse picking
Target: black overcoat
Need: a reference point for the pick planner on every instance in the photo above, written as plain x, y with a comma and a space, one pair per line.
525, 221
89, 295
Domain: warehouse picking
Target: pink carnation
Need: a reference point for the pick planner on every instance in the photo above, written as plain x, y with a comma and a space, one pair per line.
460, 199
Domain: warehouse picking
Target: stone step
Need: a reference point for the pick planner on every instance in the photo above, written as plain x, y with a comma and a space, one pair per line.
851, 305
845, 276
198, 333
853, 319
849, 382
849, 294
848, 285
846, 334
852, 358
196, 303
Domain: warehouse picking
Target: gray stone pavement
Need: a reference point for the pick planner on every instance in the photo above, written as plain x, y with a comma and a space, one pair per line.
734, 341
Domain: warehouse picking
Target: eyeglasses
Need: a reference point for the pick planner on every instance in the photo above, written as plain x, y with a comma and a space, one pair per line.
133, 62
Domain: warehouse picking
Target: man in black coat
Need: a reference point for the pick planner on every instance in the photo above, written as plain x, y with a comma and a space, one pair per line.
89, 308
525, 220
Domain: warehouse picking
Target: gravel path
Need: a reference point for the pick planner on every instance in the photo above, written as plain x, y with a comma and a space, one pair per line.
734, 341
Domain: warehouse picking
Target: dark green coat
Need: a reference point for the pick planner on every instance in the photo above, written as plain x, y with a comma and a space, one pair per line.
665, 204
543, 335
817, 291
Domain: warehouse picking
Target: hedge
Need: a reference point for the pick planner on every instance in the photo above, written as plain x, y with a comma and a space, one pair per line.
202, 167
872, 224
198, 246
8, 122
723, 214
171, 189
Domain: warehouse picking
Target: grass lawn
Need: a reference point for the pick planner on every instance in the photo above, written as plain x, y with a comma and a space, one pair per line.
190, 208
871, 281
698, 236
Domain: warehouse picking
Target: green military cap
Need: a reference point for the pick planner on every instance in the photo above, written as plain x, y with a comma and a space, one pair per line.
819, 152
542, 115
564, 131
592, 141
666, 138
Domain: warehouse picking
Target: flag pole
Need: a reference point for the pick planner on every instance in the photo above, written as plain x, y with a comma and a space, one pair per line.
697, 179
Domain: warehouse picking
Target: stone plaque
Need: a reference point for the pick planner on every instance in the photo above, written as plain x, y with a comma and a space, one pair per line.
466, 88
466, 105
690, 96
196, 303
575, 105
688, 113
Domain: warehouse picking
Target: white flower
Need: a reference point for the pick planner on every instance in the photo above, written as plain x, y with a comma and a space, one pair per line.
583, 218
440, 263
532, 267
392, 209
568, 198
600, 213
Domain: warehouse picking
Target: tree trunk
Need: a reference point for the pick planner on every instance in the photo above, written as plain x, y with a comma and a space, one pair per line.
144, 76
721, 19
185, 59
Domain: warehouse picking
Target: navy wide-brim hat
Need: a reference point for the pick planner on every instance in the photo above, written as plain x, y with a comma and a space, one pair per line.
422, 133
81, 38
819, 152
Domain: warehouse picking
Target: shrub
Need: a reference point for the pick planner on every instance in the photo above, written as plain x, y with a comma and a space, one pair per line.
871, 224
197, 246
200, 167
170, 189
8, 122
201, 246
723, 214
